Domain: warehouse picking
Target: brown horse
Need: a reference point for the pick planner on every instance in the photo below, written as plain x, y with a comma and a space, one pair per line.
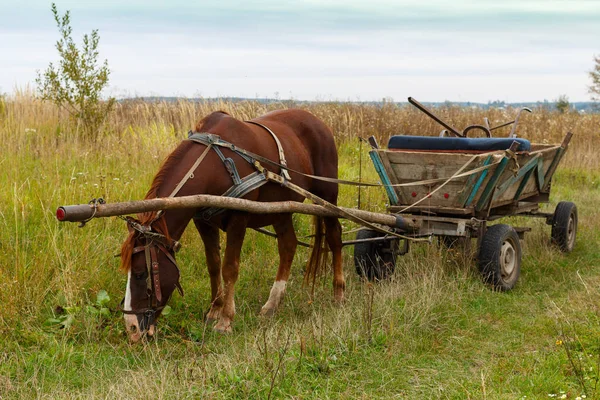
148, 252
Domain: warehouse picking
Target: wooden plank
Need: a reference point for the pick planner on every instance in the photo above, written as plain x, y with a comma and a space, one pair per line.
392, 196
540, 173
524, 170
400, 157
437, 210
524, 183
559, 154
478, 184
552, 169
530, 187
491, 186
392, 177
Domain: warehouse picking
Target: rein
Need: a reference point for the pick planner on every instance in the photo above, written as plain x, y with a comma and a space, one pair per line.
210, 139
155, 241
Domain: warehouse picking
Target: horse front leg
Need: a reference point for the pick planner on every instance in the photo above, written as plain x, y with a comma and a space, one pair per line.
236, 230
212, 249
286, 243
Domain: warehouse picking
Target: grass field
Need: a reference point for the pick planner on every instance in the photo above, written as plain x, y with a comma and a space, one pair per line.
433, 331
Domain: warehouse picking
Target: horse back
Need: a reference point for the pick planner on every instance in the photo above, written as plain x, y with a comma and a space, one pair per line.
307, 142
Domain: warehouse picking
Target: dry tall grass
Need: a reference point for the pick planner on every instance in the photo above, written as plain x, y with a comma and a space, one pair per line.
432, 331
29, 122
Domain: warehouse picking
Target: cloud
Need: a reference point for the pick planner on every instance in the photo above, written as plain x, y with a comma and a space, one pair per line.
341, 49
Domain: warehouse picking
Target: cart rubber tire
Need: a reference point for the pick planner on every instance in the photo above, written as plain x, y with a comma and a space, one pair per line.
564, 226
500, 257
370, 259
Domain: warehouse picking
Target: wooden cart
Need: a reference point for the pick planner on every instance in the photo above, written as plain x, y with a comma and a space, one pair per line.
454, 194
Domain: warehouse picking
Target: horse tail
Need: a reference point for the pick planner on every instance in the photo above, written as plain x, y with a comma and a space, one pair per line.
318, 256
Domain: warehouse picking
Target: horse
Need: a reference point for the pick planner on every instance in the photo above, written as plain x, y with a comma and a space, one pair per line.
148, 253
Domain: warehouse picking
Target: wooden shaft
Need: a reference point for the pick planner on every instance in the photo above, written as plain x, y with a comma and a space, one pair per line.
83, 212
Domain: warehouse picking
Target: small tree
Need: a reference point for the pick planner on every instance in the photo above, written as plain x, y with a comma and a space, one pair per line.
562, 104
594, 88
77, 82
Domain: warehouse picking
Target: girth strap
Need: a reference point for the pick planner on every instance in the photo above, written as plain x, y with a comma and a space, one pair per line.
248, 184
282, 160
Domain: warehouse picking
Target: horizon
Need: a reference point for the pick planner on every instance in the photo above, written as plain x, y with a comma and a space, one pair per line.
469, 51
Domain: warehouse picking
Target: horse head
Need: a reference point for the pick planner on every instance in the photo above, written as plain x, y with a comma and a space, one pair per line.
148, 256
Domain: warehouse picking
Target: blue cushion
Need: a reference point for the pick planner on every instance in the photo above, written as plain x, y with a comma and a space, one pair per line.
433, 143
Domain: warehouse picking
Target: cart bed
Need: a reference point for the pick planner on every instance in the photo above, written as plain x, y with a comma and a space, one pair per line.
513, 177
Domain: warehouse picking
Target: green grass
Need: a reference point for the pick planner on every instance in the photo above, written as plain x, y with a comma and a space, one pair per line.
432, 331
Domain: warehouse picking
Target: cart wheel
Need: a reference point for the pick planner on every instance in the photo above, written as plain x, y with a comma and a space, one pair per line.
564, 226
372, 259
500, 257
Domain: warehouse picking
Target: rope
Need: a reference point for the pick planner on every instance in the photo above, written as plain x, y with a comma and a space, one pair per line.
217, 141
456, 175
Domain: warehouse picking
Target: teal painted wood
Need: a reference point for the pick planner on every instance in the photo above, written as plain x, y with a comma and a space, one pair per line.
540, 173
393, 197
523, 183
487, 192
555, 160
475, 189
525, 170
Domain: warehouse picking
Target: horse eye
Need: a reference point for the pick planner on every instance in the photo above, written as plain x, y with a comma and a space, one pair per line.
138, 276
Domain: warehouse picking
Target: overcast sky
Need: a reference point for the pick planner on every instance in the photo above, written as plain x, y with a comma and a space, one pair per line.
458, 50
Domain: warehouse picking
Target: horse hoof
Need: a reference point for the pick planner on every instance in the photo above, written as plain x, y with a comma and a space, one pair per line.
212, 315
339, 298
267, 312
224, 328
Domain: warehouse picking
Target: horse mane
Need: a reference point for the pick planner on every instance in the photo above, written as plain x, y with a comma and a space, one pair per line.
210, 120
166, 169
159, 225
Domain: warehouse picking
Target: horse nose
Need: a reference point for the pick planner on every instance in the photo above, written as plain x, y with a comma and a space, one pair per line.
133, 328
151, 330
135, 336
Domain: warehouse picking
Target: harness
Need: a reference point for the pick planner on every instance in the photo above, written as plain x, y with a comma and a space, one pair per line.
241, 186
154, 242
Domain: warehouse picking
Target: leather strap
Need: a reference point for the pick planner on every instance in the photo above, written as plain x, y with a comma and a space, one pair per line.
282, 160
190, 173
155, 274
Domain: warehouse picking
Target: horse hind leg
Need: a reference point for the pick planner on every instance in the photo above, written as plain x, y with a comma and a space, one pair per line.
333, 235
212, 249
286, 243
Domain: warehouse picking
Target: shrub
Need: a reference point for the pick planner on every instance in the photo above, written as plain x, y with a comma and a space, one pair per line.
76, 83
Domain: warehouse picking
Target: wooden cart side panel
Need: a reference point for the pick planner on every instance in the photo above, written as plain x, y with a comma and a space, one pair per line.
530, 187
406, 167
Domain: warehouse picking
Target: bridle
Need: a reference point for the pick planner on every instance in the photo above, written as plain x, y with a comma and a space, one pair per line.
154, 242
